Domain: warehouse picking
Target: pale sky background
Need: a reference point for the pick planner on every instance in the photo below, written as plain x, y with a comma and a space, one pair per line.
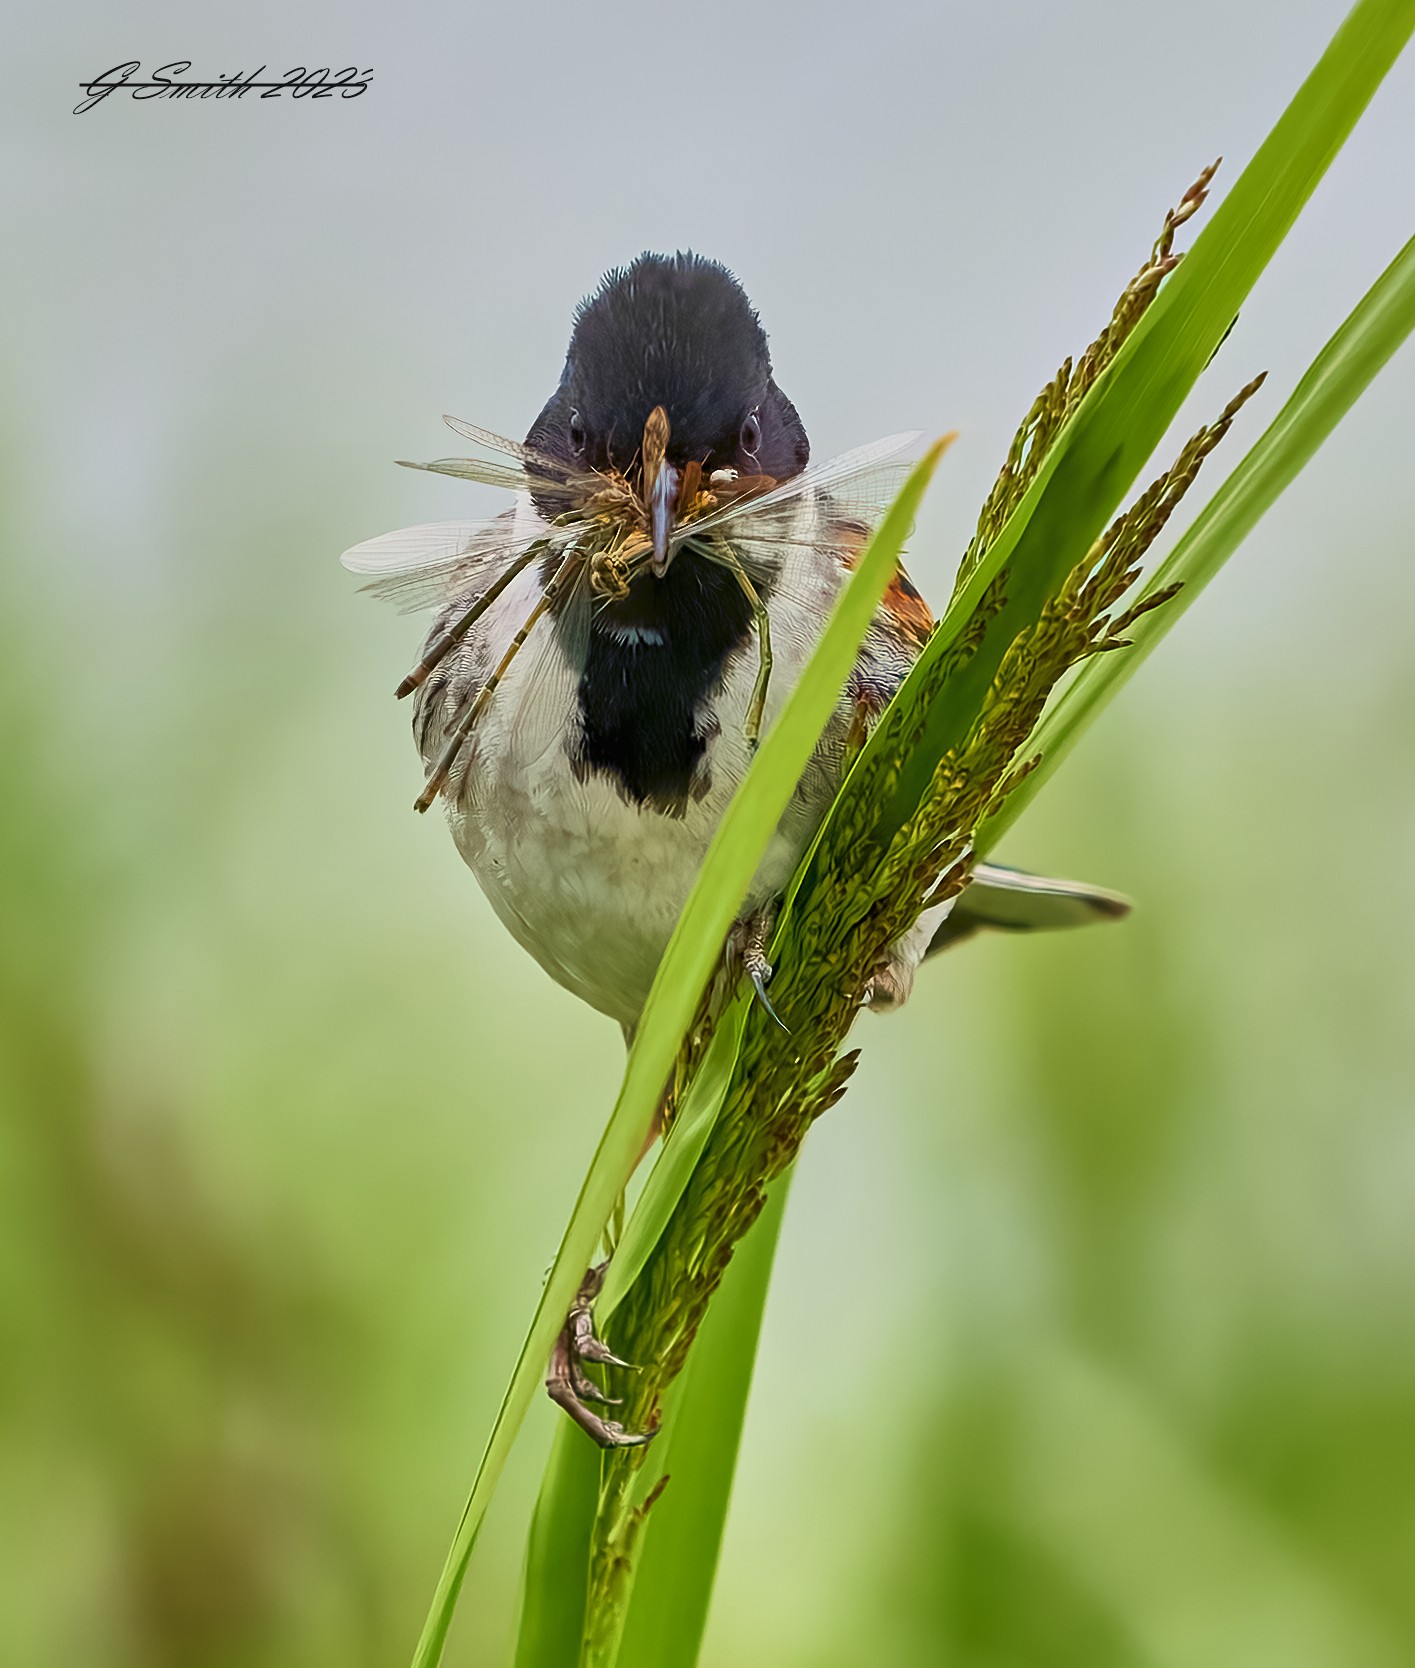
929, 205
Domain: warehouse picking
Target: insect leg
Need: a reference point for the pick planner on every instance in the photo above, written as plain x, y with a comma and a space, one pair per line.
462, 624
442, 769
753, 727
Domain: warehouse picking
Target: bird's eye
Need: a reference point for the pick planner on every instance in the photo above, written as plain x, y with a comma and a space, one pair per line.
751, 436
577, 432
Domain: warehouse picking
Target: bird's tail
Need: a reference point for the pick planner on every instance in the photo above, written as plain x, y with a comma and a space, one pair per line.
1010, 900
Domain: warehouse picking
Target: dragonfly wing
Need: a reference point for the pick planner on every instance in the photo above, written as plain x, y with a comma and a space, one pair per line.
430, 565
869, 476
481, 470
534, 462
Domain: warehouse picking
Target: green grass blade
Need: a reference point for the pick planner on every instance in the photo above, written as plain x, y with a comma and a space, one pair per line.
668, 1607
1101, 451
692, 953
557, 1554
697, 1449
677, 1157
553, 1592
1382, 321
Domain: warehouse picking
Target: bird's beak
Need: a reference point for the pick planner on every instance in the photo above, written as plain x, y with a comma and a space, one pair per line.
661, 496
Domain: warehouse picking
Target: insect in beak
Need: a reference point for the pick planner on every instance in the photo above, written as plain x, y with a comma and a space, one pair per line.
662, 495
660, 490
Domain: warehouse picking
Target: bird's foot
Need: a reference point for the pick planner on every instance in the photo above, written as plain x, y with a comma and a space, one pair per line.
890, 985
892, 982
748, 942
570, 1387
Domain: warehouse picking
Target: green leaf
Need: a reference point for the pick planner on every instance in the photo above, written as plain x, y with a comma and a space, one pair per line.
668, 1607
697, 1451
687, 964
1342, 371
679, 1154
557, 1554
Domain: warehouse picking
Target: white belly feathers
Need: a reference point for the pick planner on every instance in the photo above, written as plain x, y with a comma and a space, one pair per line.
588, 881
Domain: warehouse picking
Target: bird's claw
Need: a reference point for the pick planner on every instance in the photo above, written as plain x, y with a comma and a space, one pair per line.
586, 1388
570, 1387
761, 977
584, 1345
750, 940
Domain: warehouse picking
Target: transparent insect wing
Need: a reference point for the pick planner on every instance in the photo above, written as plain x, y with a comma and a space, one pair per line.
553, 482
795, 536
426, 566
793, 572
528, 457
862, 481
863, 499
506, 476
836, 521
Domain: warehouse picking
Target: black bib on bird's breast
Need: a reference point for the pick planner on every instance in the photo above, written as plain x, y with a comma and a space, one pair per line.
652, 663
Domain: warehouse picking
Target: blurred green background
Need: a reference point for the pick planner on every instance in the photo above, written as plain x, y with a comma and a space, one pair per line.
1120, 1224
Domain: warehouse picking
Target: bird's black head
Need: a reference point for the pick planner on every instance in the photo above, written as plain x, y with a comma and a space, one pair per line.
675, 331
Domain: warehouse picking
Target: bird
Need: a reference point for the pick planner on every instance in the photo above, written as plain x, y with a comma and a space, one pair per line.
607, 653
